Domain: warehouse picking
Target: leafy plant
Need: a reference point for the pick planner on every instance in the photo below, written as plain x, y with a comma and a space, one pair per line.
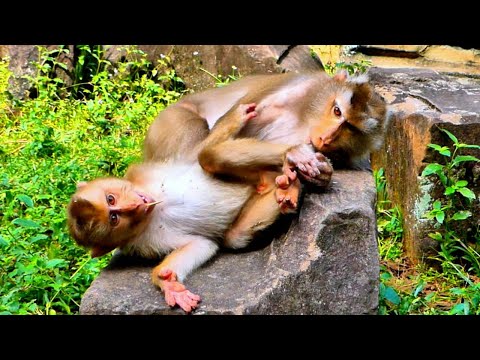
51, 141
222, 80
455, 204
353, 68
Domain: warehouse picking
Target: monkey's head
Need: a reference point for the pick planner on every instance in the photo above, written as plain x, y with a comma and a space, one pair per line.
107, 213
352, 119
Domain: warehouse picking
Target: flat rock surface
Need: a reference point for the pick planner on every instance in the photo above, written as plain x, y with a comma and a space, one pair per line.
324, 261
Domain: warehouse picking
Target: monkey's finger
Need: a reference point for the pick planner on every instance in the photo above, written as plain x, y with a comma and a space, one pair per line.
184, 305
292, 174
192, 295
169, 298
250, 107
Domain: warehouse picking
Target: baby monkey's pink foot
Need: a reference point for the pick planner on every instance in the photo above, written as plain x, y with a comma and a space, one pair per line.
287, 197
176, 293
248, 111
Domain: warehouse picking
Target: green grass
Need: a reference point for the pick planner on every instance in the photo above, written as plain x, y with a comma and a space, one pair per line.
417, 289
95, 127
47, 145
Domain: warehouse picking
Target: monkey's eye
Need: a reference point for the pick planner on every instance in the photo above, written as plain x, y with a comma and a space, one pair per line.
337, 111
110, 199
113, 219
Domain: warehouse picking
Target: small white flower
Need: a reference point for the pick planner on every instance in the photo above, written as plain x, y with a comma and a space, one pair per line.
100, 102
162, 56
195, 53
234, 67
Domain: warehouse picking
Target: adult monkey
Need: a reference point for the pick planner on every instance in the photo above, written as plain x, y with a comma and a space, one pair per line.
342, 117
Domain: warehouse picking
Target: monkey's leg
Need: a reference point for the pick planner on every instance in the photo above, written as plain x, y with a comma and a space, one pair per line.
169, 274
174, 132
260, 211
227, 126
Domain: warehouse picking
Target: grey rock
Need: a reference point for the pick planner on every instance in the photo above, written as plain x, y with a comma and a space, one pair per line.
324, 261
423, 101
198, 64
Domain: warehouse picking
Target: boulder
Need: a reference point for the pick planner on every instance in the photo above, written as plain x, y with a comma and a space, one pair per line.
21, 64
323, 261
198, 65
423, 101
445, 58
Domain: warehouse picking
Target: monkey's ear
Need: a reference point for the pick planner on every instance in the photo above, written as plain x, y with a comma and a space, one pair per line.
341, 75
98, 250
81, 184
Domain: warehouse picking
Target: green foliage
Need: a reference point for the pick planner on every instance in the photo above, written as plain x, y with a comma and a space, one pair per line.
455, 289
63, 135
353, 68
222, 80
454, 206
389, 221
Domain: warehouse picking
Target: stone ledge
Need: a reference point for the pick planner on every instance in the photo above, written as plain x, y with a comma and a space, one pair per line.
326, 262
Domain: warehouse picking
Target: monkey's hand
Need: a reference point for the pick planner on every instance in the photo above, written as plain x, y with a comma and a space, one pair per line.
175, 292
312, 166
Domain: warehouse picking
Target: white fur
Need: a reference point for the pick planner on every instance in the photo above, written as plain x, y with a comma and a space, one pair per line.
194, 206
358, 79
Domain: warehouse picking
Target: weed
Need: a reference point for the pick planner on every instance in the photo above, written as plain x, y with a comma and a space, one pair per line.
65, 134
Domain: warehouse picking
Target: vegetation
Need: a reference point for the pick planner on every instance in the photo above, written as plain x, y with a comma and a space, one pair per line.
453, 288
68, 132
65, 134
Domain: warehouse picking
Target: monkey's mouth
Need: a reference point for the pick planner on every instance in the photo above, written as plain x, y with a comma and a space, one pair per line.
148, 201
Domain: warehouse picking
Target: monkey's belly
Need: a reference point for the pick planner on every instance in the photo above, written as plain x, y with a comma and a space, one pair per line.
201, 205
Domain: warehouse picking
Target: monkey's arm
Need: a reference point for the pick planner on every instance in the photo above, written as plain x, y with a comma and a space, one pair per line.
243, 158
170, 273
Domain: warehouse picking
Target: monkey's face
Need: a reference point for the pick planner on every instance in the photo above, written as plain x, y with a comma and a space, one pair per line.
107, 213
353, 120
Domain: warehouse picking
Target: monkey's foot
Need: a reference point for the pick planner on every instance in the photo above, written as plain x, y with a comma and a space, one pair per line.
287, 198
176, 293
247, 111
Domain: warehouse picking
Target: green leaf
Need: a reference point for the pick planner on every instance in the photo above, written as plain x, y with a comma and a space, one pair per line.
449, 190
418, 289
384, 276
437, 205
25, 223
391, 295
463, 158
443, 150
450, 135
440, 216
433, 168
436, 236
27, 200
55, 263
461, 183
459, 309
461, 215
443, 178
3, 242
469, 194
468, 146
38, 237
